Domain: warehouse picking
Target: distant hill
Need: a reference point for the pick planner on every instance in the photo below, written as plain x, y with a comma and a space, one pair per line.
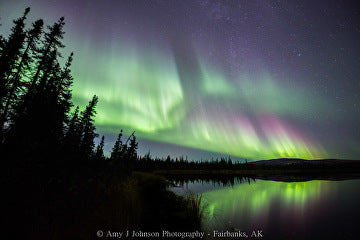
290, 161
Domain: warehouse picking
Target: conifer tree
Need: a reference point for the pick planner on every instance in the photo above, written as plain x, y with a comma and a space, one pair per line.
117, 149
63, 86
133, 146
99, 154
33, 36
10, 54
88, 128
2, 42
51, 43
50, 71
73, 124
71, 142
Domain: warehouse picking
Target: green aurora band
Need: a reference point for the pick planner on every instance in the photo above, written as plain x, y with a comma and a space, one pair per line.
142, 91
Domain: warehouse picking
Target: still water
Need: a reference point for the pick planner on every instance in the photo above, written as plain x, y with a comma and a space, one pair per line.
316, 209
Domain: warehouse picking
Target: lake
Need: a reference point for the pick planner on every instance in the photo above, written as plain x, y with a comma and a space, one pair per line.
316, 209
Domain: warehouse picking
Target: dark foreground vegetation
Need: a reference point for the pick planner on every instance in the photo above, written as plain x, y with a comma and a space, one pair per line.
57, 183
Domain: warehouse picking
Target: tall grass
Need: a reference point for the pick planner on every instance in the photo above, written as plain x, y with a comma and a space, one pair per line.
196, 208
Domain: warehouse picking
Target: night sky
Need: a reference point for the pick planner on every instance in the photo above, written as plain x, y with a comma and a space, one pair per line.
251, 79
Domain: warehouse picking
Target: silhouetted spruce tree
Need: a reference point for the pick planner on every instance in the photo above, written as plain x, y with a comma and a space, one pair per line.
71, 142
2, 42
32, 38
132, 149
58, 90
50, 70
88, 129
117, 149
125, 153
10, 54
64, 86
52, 42
99, 153
130, 155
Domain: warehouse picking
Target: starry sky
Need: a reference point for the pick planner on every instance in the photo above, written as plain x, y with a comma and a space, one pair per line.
251, 79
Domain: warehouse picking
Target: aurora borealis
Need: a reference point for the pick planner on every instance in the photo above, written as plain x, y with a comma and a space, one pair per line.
250, 79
